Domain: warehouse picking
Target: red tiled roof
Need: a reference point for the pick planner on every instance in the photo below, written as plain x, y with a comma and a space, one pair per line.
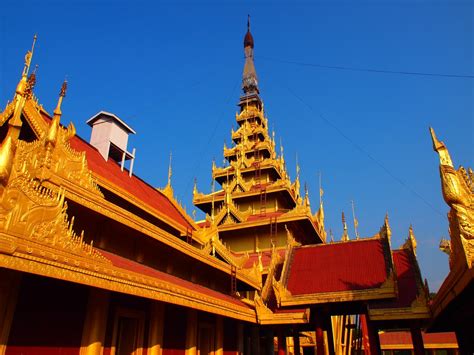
355, 265
110, 171
141, 269
406, 281
404, 338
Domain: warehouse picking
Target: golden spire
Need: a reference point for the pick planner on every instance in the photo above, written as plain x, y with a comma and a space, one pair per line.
320, 213
168, 190
170, 170
345, 235
440, 148
20, 92
411, 240
385, 231
356, 222
6, 158
306, 194
195, 190
54, 128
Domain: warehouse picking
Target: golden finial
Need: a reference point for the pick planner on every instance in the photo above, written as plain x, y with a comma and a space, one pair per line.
356, 222
62, 95
20, 93
6, 158
411, 239
440, 148
169, 171
195, 190
29, 56
54, 128
345, 235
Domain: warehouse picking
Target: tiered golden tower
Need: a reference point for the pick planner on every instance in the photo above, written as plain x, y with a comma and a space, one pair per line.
258, 207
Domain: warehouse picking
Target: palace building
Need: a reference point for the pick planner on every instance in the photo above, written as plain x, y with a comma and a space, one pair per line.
94, 260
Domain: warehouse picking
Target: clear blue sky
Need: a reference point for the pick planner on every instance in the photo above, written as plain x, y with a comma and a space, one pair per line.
173, 70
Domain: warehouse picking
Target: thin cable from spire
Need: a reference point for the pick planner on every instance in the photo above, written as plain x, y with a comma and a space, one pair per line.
365, 152
368, 70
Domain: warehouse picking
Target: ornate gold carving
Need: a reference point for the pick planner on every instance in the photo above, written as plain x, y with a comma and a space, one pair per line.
458, 192
410, 243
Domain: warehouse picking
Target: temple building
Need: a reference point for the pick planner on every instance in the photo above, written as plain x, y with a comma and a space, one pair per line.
95, 260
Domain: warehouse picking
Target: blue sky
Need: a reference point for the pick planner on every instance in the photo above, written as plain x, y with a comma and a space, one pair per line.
173, 70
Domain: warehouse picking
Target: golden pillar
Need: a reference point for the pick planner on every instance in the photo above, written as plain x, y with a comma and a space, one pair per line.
219, 336
191, 333
9, 286
155, 342
95, 324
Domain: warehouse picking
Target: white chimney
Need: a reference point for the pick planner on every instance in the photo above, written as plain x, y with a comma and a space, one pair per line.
110, 137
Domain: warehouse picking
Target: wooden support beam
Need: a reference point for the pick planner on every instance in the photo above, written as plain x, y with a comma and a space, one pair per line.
319, 335
370, 336
9, 287
417, 340
281, 342
296, 343
191, 333
155, 337
93, 333
219, 336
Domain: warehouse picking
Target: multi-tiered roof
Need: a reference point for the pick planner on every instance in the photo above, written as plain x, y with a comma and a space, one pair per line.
258, 201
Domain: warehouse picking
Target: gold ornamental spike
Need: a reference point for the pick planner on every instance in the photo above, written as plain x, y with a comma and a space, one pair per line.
170, 171
345, 235
28, 57
54, 128
440, 148
6, 159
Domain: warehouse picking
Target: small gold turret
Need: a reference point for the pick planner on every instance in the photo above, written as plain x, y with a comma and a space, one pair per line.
168, 190
6, 158
54, 128
345, 235
411, 241
20, 94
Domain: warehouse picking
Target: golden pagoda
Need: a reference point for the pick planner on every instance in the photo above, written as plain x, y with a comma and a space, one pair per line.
257, 206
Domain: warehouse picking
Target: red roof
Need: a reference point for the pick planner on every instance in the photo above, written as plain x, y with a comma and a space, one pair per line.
406, 281
355, 265
404, 338
110, 171
141, 269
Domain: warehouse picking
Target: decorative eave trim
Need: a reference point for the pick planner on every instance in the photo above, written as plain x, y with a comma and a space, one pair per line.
107, 209
386, 290
206, 199
266, 316
457, 280
37, 259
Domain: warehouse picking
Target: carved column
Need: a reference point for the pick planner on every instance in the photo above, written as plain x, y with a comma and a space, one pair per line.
296, 343
191, 333
93, 333
330, 336
269, 346
219, 336
370, 335
281, 342
155, 342
319, 335
417, 340
9, 287
255, 340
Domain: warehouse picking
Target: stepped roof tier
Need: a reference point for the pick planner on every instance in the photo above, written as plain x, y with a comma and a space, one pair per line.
258, 201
